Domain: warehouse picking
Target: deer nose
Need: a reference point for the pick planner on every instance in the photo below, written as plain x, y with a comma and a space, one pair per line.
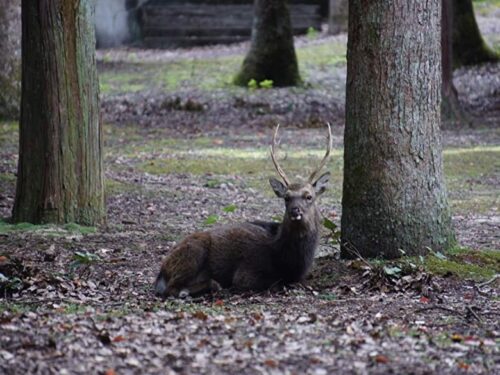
295, 214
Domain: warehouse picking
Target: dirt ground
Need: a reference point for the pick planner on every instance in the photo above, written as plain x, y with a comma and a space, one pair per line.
188, 154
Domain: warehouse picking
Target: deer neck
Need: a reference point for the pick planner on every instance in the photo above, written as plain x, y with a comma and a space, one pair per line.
296, 245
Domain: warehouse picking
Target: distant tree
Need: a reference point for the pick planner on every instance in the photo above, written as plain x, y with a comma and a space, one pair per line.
272, 54
60, 157
451, 109
10, 60
469, 47
394, 195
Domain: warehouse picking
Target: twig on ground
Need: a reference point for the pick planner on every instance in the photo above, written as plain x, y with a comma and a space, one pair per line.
352, 249
437, 307
490, 281
471, 312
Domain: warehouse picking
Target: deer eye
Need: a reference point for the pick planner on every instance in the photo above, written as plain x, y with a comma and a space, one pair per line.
309, 197
287, 198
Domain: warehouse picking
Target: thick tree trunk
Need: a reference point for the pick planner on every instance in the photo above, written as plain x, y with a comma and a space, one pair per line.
10, 60
60, 157
469, 47
394, 196
272, 54
451, 109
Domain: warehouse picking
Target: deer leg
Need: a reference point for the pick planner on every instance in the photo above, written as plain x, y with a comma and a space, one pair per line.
202, 284
249, 279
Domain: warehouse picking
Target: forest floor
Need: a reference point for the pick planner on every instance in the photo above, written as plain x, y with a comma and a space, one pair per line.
185, 150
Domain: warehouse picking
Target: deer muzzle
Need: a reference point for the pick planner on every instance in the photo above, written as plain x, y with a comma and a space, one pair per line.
295, 214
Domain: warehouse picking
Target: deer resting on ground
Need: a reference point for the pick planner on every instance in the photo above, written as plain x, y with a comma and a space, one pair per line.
253, 255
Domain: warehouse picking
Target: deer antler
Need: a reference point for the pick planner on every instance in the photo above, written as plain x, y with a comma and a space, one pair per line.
325, 158
275, 162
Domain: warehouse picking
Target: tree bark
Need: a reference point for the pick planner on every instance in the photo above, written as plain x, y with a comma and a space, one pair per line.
469, 47
272, 54
10, 61
394, 196
60, 175
451, 109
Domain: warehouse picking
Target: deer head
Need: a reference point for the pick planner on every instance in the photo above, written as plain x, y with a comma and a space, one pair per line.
300, 198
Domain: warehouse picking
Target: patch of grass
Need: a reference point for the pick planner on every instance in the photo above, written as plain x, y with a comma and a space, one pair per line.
485, 7
460, 262
116, 187
50, 229
16, 308
471, 176
9, 132
72, 308
464, 263
322, 55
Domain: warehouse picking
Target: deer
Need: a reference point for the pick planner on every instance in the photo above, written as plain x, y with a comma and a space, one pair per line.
255, 255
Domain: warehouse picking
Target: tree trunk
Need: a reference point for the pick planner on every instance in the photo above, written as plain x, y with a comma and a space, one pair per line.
451, 109
469, 47
10, 61
394, 196
272, 54
337, 16
60, 157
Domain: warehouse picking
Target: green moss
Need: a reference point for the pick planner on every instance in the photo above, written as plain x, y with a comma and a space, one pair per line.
117, 187
465, 263
16, 308
444, 267
322, 55
45, 229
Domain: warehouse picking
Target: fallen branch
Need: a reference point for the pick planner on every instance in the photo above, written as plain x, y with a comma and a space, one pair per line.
437, 307
492, 280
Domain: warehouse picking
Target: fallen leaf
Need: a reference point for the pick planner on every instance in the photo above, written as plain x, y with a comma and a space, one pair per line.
110, 372
271, 363
119, 338
200, 315
463, 365
424, 299
381, 359
457, 338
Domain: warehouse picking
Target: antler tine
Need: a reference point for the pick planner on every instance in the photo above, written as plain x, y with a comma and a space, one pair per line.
325, 158
275, 162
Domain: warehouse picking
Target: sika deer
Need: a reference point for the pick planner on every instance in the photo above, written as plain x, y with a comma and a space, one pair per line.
252, 255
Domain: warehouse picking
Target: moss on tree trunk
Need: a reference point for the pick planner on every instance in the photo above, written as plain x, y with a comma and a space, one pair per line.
469, 47
272, 54
394, 195
60, 157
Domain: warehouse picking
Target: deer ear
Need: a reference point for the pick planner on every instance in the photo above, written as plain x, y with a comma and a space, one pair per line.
278, 187
320, 184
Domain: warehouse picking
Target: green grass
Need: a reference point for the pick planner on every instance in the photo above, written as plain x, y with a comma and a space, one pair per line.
207, 73
46, 229
9, 133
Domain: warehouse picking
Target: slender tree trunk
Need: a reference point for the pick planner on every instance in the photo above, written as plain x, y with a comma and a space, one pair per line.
394, 196
337, 16
451, 109
272, 54
10, 60
469, 47
60, 157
